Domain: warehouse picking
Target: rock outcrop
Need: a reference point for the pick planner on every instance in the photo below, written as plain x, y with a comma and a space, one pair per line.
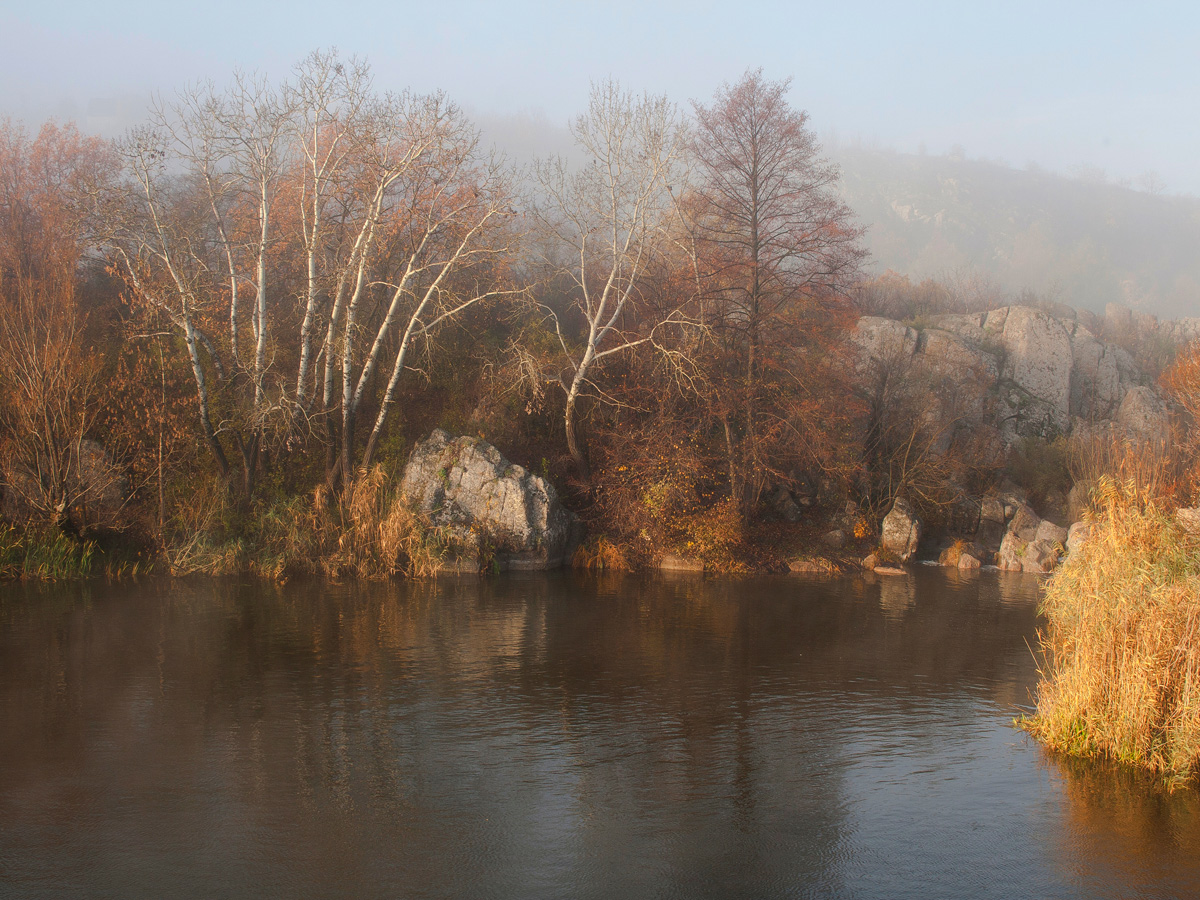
901, 530
492, 507
1025, 372
1031, 544
1036, 388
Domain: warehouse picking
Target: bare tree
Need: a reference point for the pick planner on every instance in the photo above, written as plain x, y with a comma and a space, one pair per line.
444, 211
332, 127
776, 240
380, 215
611, 222
51, 390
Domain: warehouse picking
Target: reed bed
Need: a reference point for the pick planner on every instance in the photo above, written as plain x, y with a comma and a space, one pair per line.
44, 553
1121, 647
366, 532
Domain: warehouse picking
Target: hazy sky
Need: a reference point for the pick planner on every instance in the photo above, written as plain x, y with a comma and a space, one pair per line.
1064, 85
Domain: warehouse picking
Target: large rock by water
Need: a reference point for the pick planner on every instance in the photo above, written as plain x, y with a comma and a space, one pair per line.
901, 530
1031, 544
466, 483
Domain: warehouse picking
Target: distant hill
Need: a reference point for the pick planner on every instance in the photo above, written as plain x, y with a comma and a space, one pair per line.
1083, 243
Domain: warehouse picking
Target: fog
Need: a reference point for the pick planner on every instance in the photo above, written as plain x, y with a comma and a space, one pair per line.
1075, 90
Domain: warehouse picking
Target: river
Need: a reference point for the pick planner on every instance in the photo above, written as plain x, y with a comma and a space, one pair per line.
554, 736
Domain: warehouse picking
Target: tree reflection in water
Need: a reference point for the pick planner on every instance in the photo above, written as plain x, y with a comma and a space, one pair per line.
548, 736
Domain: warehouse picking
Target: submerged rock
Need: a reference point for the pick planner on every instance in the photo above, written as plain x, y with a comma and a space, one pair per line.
672, 562
467, 483
969, 561
961, 555
812, 566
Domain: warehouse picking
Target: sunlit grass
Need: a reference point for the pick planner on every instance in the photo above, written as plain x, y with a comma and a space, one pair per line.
1121, 668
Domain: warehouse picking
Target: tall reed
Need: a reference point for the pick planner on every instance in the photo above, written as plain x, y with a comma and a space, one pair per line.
1121, 647
43, 553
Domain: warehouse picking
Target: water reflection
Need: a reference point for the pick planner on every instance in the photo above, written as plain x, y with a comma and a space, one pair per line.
544, 736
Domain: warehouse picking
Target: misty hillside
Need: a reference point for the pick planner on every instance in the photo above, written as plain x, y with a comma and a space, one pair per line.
1080, 242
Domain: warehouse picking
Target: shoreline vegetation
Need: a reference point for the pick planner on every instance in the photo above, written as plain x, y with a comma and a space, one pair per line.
1120, 672
224, 337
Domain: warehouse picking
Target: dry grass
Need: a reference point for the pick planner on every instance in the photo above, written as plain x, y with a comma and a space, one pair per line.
601, 554
1159, 470
378, 535
367, 532
1121, 672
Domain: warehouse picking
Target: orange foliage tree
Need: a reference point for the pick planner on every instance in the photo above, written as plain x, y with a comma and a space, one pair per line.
51, 378
777, 250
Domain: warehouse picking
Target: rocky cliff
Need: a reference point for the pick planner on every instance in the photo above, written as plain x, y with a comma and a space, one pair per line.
1023, 372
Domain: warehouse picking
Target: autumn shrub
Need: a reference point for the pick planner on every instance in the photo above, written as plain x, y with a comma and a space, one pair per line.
1121, 648
655, 492
599, 553
714, 534
379, 535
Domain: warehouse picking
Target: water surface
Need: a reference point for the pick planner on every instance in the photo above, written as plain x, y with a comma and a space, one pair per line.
554, 736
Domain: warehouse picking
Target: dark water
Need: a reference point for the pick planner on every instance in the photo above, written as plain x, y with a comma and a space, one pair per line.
553, 737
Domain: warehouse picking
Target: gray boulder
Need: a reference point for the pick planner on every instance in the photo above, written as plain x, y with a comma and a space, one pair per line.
1051, 533
1035, 557
1040, 558
901, 530
672, 562
835, 539
1012, 549
782, 501
466, 483
1025, 523
1189, 519
1143, 414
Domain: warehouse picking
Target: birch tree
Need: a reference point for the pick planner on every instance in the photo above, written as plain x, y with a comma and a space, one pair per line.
611, 220
332, 130
333, 221
435, 231
153, 231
